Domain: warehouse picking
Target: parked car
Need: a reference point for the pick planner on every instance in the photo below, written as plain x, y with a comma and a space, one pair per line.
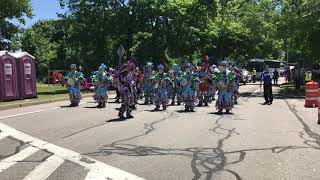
246, 76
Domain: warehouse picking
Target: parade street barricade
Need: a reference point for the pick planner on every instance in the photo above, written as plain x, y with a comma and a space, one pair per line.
26, 72
8, 77
312, 94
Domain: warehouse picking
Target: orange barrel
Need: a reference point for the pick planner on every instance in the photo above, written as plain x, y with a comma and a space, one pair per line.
312, 94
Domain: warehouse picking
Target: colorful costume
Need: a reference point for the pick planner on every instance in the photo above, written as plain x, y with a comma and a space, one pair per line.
212, 87
148, 85
160, 81
202, 93
174, 90
225, 89
74, 79
126, 85
189, 83
101, 81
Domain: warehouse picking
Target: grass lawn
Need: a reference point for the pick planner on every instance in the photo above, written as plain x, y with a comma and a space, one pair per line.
45, 92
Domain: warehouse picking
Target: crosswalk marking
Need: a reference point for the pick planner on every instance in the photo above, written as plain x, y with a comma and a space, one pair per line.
99, 170
12, 160
3, 135
93, 176
44, 170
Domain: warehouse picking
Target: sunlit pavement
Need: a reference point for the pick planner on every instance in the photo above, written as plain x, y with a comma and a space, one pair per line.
279, 141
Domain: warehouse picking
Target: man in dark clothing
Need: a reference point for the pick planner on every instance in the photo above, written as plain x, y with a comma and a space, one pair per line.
267, 86
297, 78
275, 76
315, 73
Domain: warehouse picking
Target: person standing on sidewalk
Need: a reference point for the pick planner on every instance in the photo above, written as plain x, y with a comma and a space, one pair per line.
275, 77
254, 75
267, 86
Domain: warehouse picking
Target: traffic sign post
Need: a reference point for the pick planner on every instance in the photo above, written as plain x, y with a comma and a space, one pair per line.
121, 51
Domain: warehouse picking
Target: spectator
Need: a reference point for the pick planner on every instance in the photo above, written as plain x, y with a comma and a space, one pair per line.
296, 78
275, 76
315, 75
288, 75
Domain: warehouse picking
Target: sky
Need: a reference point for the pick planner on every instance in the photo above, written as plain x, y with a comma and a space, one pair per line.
43, 9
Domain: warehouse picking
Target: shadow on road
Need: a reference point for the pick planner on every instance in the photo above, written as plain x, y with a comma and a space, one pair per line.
217, 113
116, 120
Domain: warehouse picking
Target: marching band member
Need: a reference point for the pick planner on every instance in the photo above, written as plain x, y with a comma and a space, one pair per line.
224, 90
101, 80
74, 79
175, 89
190, 84
147, 85
202, 93
126, 85
160, 80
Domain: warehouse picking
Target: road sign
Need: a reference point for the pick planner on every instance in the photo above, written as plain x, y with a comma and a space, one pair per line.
121, 51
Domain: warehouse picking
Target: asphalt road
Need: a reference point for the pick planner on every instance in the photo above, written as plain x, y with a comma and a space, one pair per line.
255, 142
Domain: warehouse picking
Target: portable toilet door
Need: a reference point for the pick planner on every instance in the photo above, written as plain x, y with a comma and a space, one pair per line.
26, 74
8, 77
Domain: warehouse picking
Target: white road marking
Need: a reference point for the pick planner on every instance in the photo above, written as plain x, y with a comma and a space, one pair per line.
44, 170
34, 112
12, 160
93, 176
105, 171
3, 135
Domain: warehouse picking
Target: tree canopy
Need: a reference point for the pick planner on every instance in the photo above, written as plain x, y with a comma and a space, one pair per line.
167, 31
12, 9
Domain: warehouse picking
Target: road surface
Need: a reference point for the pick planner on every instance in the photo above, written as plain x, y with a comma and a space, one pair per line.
255, 142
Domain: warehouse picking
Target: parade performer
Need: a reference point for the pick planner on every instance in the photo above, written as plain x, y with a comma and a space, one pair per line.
148, 85
101, 81
133, 75
74, 79
212, 87
235, 84
224, 90
189, 84
202, 93
140, 81
160, 82
175, 88
116, 84
126, 85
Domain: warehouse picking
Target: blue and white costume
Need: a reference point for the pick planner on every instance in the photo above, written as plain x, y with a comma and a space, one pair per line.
74, 79
148, 85
101, 81
190, 84
160, 81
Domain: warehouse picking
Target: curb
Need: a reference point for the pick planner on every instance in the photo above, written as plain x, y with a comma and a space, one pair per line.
47, 101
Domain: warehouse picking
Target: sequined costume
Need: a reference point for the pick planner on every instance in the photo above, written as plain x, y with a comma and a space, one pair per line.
190, 84
101, 81
225, 90
126, 86
202, 92
175, 90
74, 79
147, 84
160, 82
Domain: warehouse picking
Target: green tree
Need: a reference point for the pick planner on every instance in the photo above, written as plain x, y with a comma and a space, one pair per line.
12, 9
